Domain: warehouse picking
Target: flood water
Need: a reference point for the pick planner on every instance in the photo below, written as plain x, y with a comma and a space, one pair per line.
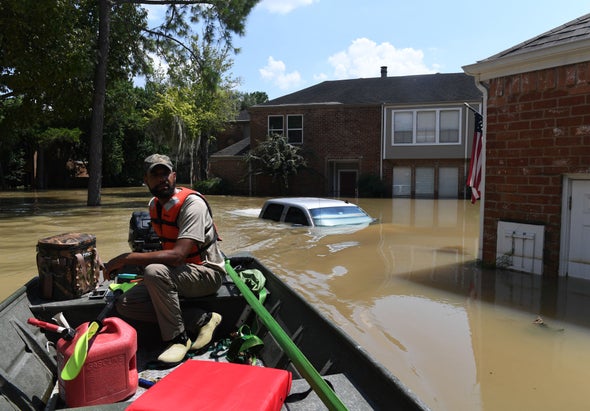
407, 289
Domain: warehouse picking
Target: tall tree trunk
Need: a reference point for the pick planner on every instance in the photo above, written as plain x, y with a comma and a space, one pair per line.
194, 161
41, 175
191, 160
2, 181
97, 122
204, 157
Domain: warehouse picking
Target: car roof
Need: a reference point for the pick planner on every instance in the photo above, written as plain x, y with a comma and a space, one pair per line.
311, 202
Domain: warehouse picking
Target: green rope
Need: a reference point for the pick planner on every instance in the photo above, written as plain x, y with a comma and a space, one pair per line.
315, 380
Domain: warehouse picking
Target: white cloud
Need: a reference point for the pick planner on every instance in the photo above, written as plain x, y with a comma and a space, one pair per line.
284, 6
276, 72
364, 58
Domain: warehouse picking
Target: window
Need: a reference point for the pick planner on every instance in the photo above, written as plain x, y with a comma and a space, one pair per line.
296, 216
449, 126
275, 125
295, 129
434, 126
425, 126
403, 127
273, 212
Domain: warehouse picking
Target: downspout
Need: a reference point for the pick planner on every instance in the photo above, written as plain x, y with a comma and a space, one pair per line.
382, 148
249, 179
466, 152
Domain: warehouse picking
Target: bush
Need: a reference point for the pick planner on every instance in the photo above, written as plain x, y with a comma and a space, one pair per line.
15, 174
213, 186
371, 186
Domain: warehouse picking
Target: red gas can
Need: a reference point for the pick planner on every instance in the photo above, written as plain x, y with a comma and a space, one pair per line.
110, 371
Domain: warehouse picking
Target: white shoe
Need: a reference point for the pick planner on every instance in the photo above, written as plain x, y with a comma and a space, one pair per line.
175, 353
206, 332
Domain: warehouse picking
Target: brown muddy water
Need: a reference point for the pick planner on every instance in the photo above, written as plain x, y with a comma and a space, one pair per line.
406, 289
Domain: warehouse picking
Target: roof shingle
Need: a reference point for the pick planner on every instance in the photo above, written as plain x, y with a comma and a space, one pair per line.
575, 30
416, 89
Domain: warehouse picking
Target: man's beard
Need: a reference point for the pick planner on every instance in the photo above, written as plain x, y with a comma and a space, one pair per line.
163, 191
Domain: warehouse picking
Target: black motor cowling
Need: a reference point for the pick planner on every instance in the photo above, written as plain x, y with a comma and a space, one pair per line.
142, 237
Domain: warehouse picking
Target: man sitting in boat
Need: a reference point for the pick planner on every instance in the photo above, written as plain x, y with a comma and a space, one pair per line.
190, 264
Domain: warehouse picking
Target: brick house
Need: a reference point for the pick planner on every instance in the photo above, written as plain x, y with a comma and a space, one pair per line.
229, 150
410, 133
535, 202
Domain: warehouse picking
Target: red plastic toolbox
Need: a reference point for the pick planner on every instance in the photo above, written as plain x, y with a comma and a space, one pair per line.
208, 385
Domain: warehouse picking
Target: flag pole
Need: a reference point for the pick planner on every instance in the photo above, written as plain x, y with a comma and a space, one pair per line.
471, 108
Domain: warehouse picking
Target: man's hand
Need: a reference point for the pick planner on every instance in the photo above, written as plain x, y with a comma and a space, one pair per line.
114, 265
175, 257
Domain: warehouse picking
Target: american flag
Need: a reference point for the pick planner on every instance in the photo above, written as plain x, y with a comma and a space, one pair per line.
475, 165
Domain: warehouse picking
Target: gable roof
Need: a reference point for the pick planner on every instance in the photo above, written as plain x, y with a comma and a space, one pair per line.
566, 44
236, 149
569, 32
426, 88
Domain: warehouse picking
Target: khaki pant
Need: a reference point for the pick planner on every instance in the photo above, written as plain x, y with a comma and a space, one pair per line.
156, 298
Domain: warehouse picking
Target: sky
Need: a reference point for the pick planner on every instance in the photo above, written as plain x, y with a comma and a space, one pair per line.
293, 44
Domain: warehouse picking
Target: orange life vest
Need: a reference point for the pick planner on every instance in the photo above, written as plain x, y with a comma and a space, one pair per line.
165, 223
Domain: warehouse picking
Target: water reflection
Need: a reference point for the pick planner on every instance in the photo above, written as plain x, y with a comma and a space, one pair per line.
407, 289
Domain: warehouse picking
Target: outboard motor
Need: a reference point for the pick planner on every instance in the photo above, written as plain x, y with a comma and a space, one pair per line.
142, 237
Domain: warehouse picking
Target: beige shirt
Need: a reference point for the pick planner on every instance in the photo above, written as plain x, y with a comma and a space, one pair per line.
195, 222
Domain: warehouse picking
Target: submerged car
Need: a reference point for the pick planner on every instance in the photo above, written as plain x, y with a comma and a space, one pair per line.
314, 212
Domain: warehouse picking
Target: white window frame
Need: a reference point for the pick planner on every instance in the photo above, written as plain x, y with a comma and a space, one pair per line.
285, 130
289, 139
415, 131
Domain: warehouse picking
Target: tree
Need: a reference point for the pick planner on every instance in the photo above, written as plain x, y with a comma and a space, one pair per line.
47, 63
277, 158
53, 67
251, 99
124, 136
185, 116
220, 19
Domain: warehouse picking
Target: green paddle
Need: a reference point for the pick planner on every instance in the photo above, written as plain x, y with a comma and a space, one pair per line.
76, 361
313, 377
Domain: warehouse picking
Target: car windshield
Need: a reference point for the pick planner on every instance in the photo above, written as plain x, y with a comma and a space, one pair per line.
332, 216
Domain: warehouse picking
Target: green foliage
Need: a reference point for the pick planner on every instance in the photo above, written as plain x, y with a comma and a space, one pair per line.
48, 54
251, 99
195, 103
59, 135
213, 186
47, 64
48, 61
16, 170
371, 186
125, 140
277, 158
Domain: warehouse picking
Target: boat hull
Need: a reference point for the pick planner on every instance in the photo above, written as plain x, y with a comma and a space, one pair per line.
358, 380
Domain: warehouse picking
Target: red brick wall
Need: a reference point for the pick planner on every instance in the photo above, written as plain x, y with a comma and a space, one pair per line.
233, 170
233, 133
329, 133
538, 128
